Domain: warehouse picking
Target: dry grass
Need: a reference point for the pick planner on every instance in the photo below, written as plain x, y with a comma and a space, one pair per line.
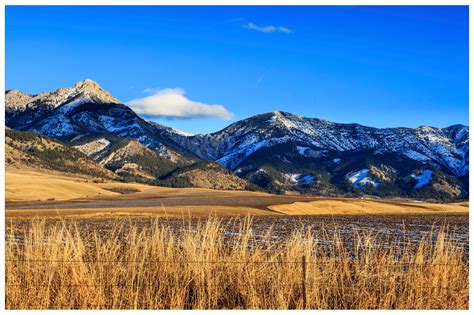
349, 206
25, 184
203, 267
31, 185
194, 211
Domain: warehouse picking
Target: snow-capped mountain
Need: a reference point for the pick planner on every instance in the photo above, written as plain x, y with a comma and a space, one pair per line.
278, 151
23, 109
84, 109
446, 148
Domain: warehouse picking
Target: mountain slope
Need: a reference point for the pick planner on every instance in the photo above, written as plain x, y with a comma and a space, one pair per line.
284, 152
444, 148
86, 108
206, 174
278, 151
32, 150
129, 159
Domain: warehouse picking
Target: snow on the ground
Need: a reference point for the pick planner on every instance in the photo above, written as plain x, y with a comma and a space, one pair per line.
301, 150
182, 133
299, 178
360, 178
57, 126
307, 179
422, 179
69, 107
293, 177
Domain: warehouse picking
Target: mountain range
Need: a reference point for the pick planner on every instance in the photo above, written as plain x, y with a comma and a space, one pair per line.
277, 152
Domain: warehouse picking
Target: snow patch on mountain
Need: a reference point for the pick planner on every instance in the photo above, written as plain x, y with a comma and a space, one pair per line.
299, 178
246, 148
361, 178
301, 150
109, 123
416, 156
182, 133
293, 178
307, 179
422, 179
310, 152
68, 107
57, 126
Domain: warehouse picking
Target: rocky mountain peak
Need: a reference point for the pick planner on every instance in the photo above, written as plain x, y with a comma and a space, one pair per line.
86, 91
91, 88
283, 119
16, 99
15, 93
87, 84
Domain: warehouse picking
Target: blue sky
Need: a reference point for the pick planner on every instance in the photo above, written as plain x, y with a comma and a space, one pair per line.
199, 69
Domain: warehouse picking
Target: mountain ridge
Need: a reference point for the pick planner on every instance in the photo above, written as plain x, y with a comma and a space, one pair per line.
308, 132
278, 151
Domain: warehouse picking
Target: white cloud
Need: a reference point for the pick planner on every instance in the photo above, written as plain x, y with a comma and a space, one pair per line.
267, 29
264, 29
172, 103
151, 90
284, 29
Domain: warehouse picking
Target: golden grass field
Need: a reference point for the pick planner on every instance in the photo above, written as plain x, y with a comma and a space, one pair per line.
85, 250
138, 212
349, 206
61, 266
27, 185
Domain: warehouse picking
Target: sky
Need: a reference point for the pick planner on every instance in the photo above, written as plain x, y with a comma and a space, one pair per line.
198, 69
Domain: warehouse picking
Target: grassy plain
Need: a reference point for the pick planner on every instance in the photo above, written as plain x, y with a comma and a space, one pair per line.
205, 267
78, 243
33, 193
347, 206
24, 184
